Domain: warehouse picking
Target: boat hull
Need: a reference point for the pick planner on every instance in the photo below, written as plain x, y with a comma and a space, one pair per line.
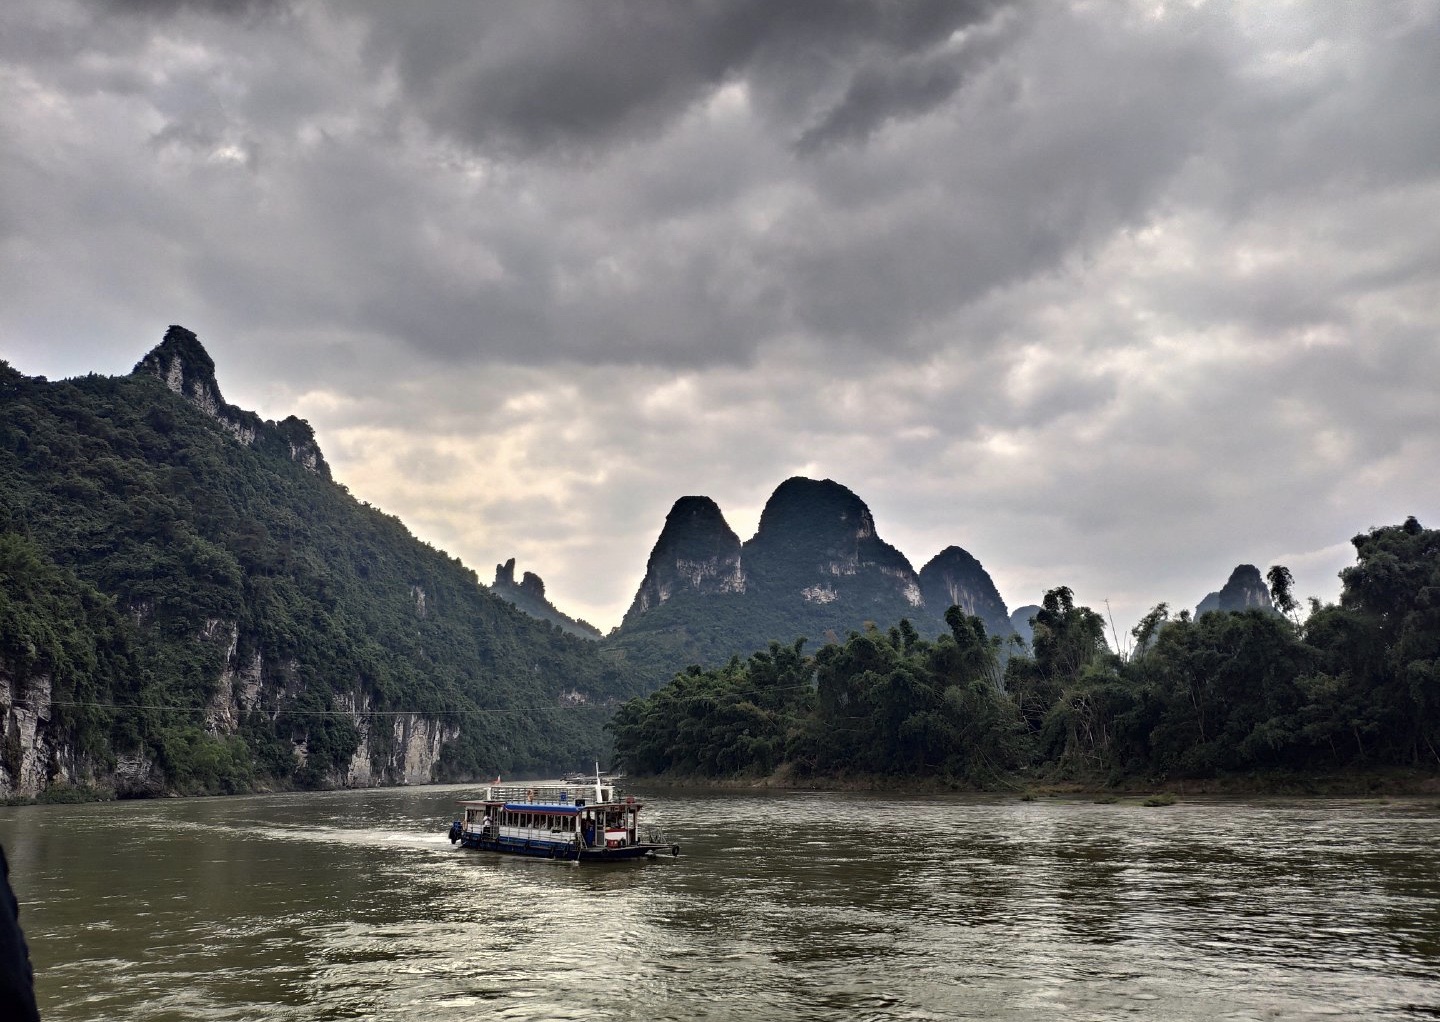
566, 851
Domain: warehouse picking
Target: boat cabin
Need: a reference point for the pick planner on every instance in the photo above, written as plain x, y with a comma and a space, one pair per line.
558, 821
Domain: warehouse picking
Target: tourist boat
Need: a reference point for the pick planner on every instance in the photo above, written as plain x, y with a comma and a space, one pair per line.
589, 822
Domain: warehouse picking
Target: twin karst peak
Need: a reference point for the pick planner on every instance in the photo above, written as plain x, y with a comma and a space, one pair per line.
816, 564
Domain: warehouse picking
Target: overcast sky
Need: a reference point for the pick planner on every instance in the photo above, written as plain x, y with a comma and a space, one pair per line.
1112, 295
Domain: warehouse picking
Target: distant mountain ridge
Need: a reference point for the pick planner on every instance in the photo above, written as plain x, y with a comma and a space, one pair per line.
816, 567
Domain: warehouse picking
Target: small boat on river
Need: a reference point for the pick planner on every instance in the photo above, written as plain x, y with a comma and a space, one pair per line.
586, 822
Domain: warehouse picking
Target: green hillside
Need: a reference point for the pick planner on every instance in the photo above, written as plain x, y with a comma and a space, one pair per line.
189, 603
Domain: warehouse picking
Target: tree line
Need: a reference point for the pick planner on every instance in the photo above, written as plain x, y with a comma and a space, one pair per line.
1349, 685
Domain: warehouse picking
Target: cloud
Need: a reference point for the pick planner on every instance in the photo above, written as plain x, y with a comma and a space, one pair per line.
1112, 296
551, 77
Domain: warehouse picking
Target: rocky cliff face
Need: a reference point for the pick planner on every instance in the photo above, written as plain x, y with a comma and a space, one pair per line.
29, 749
528, 595
954, 578
402, 749
697, 552
182, 362
1245, 590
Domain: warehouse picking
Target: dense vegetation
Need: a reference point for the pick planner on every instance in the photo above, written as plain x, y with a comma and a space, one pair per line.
147, 556
1353, 685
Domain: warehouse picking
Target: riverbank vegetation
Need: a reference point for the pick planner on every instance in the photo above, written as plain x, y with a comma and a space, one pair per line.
1351, 687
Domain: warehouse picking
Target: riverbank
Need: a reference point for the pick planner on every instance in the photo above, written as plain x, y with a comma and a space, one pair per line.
1355, 784
1391, 782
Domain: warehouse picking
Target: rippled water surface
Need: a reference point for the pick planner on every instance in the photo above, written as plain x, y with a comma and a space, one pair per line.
781, 906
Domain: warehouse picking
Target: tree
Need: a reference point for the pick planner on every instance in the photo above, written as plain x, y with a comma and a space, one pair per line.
1144, 633
1281, 582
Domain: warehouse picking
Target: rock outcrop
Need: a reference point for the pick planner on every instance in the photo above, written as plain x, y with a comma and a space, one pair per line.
1245, 590
183, 364
1020, 621
817, 539
528, 595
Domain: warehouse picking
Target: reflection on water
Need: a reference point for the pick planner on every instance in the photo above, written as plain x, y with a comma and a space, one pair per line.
783, 906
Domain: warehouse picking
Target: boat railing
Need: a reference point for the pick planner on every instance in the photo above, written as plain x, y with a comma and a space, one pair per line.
545, 794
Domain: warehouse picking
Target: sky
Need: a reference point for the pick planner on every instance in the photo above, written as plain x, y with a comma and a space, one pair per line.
1112, 295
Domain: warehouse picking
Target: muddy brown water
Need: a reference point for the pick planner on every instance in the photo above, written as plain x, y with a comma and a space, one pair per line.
783, 905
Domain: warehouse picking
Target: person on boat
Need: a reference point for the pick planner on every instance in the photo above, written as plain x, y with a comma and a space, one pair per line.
485, 825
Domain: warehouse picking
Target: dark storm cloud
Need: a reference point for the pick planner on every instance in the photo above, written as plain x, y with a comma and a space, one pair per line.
551, 75
168, 8
877, 94
1059, 282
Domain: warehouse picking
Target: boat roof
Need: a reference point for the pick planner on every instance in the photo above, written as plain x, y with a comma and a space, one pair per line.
562, 799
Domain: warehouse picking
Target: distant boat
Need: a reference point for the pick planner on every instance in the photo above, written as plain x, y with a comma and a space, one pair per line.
586, 822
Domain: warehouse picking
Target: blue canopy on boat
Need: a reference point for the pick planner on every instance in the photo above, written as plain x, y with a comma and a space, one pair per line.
541, 807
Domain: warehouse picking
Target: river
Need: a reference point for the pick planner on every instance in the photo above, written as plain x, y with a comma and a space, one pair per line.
782, 905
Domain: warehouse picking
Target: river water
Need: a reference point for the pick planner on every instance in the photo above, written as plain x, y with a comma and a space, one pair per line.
793, 905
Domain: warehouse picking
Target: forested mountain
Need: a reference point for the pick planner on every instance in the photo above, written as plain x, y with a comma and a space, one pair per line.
1355, 685
815, 567
189, 603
